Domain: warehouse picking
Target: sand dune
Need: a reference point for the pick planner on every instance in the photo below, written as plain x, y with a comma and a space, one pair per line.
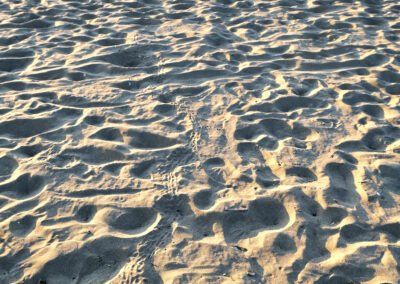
221, 141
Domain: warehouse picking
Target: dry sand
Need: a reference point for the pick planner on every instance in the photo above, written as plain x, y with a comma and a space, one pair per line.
189, 141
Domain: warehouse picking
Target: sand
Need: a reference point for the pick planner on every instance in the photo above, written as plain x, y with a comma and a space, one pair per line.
221, 141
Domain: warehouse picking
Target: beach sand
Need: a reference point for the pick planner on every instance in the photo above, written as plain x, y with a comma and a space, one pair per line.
221, 141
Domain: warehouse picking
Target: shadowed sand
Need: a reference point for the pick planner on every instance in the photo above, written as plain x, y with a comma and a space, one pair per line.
221, 141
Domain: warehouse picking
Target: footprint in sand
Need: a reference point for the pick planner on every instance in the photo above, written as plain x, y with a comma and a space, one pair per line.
23, 186
131, 221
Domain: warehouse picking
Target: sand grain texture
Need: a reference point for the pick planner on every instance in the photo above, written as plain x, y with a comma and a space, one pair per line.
221, 141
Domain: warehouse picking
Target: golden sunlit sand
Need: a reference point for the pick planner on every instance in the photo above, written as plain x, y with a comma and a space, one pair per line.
190, 141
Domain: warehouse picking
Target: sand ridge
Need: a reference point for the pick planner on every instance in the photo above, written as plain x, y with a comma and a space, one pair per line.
221, 141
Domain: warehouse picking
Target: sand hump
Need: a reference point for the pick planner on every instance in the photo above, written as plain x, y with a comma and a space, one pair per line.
208, 141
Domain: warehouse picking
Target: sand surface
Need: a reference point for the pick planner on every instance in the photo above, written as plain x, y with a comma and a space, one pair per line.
221, 141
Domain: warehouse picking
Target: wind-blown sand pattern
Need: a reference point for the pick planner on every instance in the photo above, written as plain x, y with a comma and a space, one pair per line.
189, 141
